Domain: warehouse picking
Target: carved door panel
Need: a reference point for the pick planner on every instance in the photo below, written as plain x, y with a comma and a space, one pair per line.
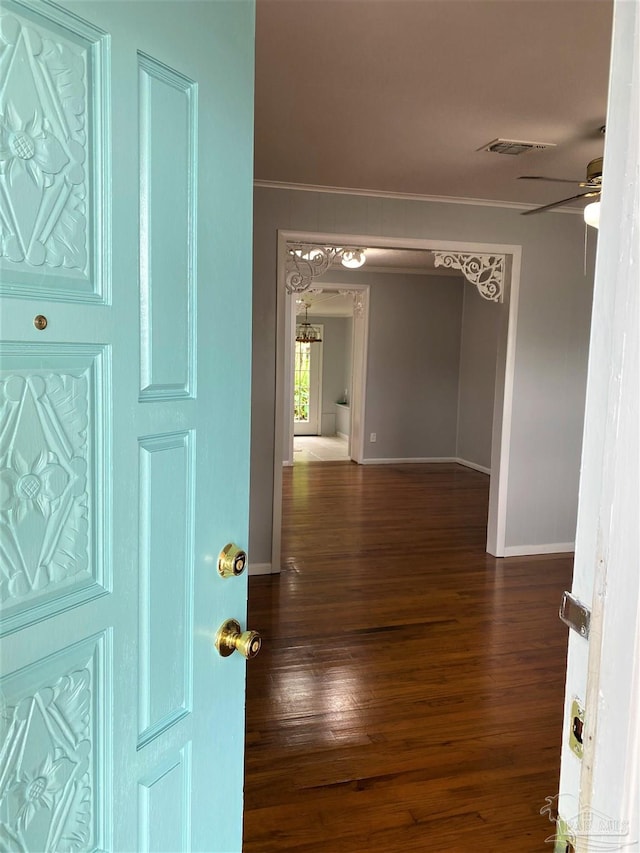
125, 276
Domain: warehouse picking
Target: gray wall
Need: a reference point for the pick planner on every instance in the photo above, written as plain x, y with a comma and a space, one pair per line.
478, 351
412, 365
550, 357
431, 366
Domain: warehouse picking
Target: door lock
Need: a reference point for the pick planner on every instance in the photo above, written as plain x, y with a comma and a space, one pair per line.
232, 561
230, 638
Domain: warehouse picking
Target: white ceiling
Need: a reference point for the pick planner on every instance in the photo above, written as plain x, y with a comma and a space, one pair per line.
397, 95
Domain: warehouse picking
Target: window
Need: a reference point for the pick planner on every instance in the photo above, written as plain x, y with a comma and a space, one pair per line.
302, 382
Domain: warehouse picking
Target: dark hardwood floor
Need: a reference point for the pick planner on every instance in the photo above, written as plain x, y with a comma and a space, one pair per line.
408, 696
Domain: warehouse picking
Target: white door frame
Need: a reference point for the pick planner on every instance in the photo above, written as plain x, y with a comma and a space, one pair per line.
501, 440
358, 356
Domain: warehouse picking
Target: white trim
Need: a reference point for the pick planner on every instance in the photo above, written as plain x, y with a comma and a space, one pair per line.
438, 199
426, 460
500, 448
319, 351
342, 435
286, 463
531, 550
410, 460
501, 430
261, 569
474, 465
330, 238
359, 362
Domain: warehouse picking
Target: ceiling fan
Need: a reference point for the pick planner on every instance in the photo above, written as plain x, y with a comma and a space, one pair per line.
592, 185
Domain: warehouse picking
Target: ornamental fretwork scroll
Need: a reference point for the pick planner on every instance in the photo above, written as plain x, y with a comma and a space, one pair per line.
357, 297
485, 271
308, 261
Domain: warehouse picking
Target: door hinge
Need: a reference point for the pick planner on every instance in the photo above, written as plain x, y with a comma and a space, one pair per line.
575, 614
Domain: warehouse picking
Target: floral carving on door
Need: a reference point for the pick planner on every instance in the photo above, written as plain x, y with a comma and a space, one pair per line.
53, 158
47, 758
44, 502
43, 145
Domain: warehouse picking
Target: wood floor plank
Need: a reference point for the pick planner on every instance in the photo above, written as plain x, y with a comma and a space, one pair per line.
409, 692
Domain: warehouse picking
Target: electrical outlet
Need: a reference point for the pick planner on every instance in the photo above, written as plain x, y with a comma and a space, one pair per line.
373, 437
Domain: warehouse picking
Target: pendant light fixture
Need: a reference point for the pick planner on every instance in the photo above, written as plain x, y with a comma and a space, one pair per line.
305, 332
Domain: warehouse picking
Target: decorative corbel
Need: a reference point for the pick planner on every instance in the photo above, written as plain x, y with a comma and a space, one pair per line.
305, 262
486, 272
358, 301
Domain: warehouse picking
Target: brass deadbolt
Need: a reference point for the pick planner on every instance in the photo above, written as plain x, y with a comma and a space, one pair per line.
40, 322
230, 638
232, 561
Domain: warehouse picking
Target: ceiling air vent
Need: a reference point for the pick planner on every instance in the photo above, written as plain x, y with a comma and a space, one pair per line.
514, 146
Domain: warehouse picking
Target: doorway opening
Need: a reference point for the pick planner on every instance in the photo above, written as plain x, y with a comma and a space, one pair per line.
321, 374
307, 385
327, 387
492, 269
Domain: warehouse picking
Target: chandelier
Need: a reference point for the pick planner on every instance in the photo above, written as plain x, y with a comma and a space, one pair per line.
305, 332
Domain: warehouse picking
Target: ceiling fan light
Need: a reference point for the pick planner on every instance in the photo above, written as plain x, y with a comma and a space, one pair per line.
592, 214
353, 258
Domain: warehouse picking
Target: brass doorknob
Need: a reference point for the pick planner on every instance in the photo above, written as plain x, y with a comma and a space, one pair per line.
232, 561
230, 638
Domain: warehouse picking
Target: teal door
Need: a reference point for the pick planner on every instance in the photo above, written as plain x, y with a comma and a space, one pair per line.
125, 227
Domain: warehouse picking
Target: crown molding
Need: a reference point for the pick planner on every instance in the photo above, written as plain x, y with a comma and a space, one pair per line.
441, 199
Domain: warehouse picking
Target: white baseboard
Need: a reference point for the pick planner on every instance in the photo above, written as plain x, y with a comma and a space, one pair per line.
343, 435
259, 569
427, 460
532, 550
473, 465
405, 460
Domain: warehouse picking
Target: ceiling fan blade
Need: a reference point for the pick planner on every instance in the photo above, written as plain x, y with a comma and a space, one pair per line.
558, 203
543, 178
